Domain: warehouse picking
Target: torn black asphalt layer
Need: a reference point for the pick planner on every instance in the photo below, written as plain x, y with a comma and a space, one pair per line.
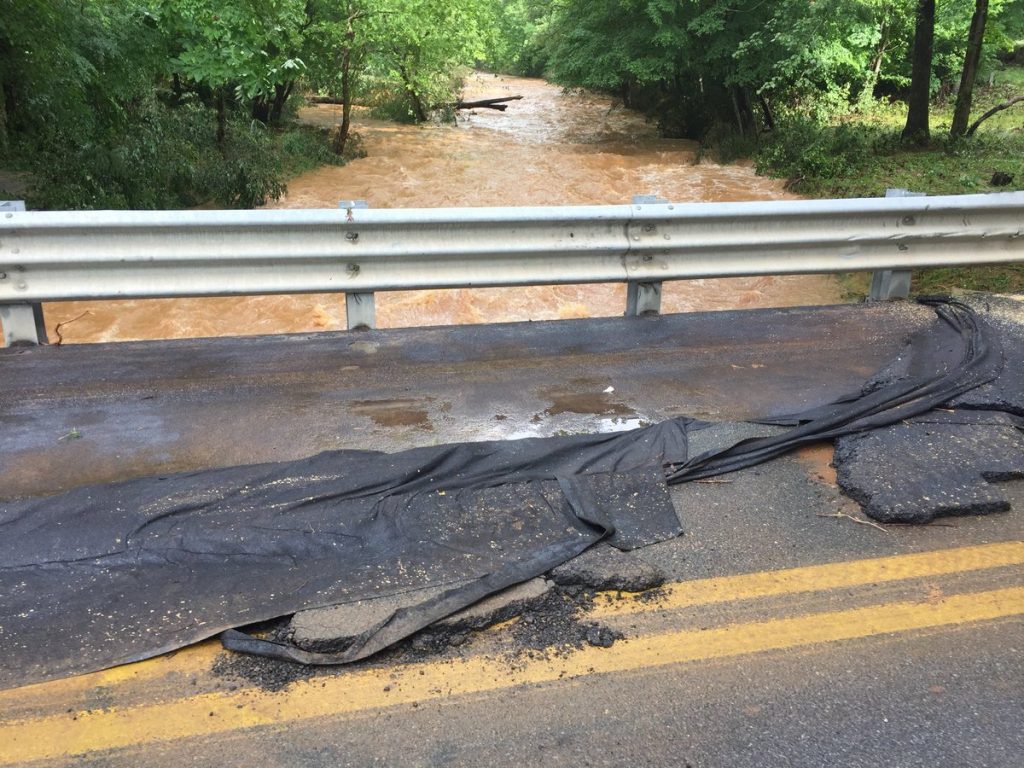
107, 574
548, 623
943, 463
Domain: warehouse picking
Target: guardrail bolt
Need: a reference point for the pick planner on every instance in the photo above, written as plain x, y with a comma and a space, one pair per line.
351, 236
909, 220
3, 275
352, 269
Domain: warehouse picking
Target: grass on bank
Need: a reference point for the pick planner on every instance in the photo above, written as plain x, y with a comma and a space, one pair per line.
861, 155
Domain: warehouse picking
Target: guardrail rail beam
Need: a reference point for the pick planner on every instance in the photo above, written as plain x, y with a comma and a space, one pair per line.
100, 255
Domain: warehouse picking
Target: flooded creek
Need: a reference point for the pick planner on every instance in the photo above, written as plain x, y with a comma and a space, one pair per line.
550, 148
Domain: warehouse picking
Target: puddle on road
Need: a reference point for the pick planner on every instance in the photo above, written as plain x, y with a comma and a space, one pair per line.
817, 460
394, 413
601, 404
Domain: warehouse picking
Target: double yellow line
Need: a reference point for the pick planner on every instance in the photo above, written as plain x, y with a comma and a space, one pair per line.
50, 737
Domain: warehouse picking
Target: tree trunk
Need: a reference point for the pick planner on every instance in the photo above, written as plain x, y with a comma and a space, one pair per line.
221, 118
177, 89
766, 110
744, 114
880, 49
260, 110
3, 119
975, 38
418, 108
281, 94
496, 103
341, 137
916, 128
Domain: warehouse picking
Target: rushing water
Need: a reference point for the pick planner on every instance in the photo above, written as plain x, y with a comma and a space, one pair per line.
550, 148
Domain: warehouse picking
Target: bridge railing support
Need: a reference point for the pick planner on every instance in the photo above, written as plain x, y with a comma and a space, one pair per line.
360, 307
644, 297
889, 284
22, 322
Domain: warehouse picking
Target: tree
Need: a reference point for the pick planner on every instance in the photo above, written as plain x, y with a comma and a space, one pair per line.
420, 44
916, 128
336, 47
237, 50
975, 38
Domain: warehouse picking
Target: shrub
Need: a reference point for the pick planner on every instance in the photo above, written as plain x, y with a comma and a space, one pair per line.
167, 157
802, 148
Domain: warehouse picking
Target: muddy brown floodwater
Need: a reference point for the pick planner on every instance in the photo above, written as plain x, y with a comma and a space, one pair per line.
550, 148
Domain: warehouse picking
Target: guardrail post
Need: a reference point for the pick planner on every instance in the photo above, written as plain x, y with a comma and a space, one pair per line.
888, 284
23, 323
360, 308
644, 298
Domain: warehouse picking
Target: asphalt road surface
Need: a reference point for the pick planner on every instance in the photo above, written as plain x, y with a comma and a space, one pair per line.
792, 632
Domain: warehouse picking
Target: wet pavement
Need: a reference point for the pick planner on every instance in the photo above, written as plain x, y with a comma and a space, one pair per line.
115, 411
790, 631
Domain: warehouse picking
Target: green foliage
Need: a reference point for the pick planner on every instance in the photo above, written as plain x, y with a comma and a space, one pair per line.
726, 144
419, 44
402, 53
64, 62
168, 160
160, 103
167, 103
520, 28
858, 158
697, 63
801, 148
250, 45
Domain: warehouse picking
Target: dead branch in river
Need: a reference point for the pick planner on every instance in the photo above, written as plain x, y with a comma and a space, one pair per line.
497, 104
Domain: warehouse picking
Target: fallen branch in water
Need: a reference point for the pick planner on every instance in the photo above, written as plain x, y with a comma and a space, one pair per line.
497, 104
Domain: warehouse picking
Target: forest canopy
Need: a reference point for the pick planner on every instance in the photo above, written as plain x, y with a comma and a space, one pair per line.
169, 103
164, 103
695, 62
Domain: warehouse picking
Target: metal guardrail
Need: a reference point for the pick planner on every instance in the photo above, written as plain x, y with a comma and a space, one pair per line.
59, 256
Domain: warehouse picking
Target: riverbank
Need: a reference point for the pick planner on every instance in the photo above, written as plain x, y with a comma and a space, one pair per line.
861, 155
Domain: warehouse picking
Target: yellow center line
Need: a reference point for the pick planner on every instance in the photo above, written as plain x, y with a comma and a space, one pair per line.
818, 578
199, 659
52, 737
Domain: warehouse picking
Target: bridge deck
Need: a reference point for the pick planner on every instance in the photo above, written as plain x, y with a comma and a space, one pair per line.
870, 646
93, 413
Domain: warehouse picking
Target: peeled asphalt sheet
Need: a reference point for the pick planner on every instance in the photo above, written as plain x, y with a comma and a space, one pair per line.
112, 572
